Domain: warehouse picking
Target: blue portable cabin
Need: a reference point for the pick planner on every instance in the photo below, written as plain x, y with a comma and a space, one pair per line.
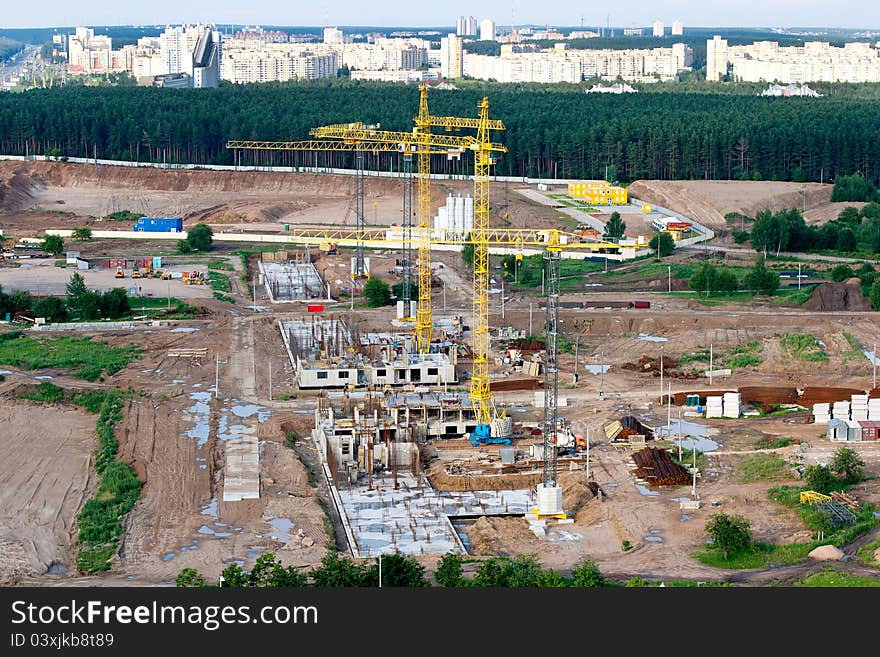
159, 225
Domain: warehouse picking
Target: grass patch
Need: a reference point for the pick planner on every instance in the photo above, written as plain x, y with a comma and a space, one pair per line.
855, 350
88, 359
101, 519
866, 554
769, 443
223, 297
764, 467
804, 347
220, 264
687, 457
744, 355
760, 556
124, 215
702, 356
838, 579
220, 282
46, 392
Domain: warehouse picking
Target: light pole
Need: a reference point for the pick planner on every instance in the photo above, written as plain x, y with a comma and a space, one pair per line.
270, 379
217, 363
661, 376
799, 276
601, 375
669, 278
874, 361
530, 318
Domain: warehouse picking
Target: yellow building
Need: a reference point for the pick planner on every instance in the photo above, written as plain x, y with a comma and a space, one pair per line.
598, 192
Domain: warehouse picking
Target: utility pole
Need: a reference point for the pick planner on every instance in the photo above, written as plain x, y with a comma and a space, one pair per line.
679, 434
694, 485
661, 376
255, 292
444, 295
601, 375
502, 297
530, 318
874, 361
380, 570
799, 276
217, 363
669, 278
588, 453
711, 354
270, 379
542, 282
577, 344
668, 411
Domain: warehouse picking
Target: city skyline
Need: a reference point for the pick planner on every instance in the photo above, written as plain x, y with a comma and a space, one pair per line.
395, 13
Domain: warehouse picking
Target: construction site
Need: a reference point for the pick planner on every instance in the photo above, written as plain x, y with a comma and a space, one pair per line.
600, 419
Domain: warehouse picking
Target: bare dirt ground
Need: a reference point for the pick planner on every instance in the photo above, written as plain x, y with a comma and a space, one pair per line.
45, 476
709, 200
39, 195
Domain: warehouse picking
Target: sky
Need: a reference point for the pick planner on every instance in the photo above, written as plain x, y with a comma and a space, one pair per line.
858, 14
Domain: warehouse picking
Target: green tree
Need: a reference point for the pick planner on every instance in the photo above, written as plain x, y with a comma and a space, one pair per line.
849, 215
338, 571
200, 237
819, 478
234, 576
52, 308
587, 575
20, 301
798, 175
841, 273
82, 234
183, 247
269, 572
467, 253
397, 570
846, 240
114, 303
189, 578
52, 244
377, 293
615, 228
874, 294
662, 244
853, 188
761, 280
449, 571
550, 579
847, 465
730, 534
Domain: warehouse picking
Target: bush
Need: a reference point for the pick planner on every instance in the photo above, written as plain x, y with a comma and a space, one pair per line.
662, 244
730, 534
377, 293
819, 478
841, 273
847, 465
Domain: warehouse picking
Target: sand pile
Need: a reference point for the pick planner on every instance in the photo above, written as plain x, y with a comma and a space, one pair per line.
826, 553
846, 295
489, 536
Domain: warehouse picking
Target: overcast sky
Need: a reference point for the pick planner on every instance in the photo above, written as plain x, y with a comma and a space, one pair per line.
859, 14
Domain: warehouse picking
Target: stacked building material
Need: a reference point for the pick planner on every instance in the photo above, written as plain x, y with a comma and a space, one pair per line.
858, 408
657, 468
821, 413
714, 407
631, 426
768, 396
840, 410
816, 395
730, 404
874, 409
680, 398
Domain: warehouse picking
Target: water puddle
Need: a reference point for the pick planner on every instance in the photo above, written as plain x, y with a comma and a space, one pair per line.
168, 556
652, 338
56, 569
10, 371
597, 369
202, 412
644, 490
43, 377
685, 517
562, 536
653, 539
282, 528
175, 382
210, 509
182, 329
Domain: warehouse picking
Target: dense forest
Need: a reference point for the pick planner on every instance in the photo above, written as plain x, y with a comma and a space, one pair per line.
8, 48
550, 132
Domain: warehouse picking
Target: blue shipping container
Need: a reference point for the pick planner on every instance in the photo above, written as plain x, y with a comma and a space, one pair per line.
159, 225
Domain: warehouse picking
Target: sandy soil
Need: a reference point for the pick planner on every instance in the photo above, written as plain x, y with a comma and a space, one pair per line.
38, 195
45, 475
709, 200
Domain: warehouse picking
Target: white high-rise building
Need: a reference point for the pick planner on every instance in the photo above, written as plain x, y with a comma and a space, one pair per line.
451, 56
677, 28
332, 35
466, 26
471, 26
716, 59
487, 30
658, 28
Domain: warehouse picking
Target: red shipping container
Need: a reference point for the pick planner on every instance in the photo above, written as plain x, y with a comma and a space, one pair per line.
315, 308
641, 304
